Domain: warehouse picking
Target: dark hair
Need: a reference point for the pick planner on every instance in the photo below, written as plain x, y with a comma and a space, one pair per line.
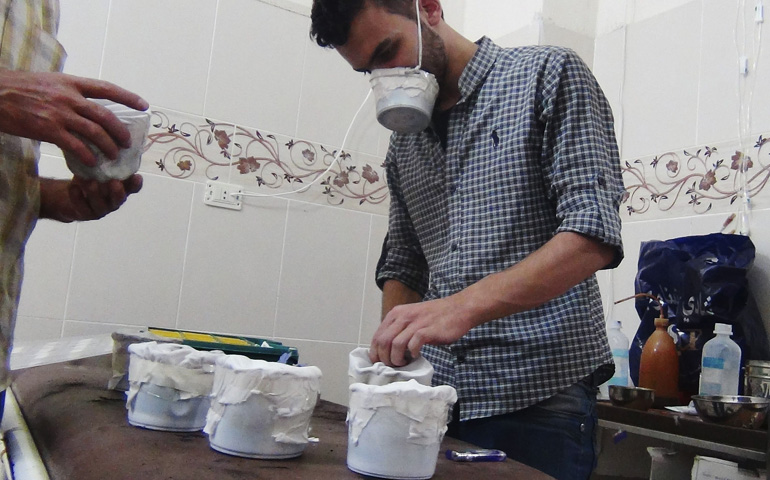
331, 19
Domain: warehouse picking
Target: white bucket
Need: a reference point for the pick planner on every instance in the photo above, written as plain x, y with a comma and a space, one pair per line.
395, 430
128, 160
404, 98
169, 386
261, 409
362, 370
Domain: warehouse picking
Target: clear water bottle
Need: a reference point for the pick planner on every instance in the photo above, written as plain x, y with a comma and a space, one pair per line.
619, 345
720, 363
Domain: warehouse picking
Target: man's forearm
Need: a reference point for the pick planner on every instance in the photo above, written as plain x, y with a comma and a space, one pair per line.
563, 262
52, 193
396, 293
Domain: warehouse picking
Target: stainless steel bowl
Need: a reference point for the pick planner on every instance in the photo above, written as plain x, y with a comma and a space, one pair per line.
637, 398
757, 385
733, 410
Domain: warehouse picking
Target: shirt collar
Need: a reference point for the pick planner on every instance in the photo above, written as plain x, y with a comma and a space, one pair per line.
479, 67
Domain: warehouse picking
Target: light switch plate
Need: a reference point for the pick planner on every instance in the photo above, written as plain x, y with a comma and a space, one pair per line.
224, 195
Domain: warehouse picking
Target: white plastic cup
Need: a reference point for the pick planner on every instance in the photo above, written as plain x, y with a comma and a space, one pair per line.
129, 159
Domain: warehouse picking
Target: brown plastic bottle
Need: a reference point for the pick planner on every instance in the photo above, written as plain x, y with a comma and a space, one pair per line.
659, 366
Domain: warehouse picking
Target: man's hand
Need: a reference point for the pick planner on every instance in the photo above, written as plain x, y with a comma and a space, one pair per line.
406, 328
80, 199
563, 262
54, 107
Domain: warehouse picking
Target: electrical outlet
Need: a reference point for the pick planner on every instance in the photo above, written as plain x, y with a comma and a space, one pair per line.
224, 195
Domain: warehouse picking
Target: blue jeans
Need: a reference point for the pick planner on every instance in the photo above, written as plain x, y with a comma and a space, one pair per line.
555, 436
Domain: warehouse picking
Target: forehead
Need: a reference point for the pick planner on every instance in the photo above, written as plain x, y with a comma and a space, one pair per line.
373, 25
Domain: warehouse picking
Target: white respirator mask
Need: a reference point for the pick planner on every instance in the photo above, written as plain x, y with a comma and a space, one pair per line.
405, 95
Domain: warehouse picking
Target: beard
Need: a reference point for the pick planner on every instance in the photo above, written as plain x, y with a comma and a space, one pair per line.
434, 56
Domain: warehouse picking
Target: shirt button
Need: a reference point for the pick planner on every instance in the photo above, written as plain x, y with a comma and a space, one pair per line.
461, 359
453, 188
601, 181
454, 247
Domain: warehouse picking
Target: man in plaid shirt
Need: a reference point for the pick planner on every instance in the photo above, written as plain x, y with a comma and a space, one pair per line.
501, 212
39, 104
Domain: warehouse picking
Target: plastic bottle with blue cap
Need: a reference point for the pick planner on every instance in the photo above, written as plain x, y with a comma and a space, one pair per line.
720, 363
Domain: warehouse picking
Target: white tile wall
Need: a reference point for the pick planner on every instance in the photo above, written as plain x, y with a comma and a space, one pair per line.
718, 100
257, 63
128, 266
322, 278
661, 85
232, 267
582, 44
372, 313
609, 70
37, 328
332, 93
82, 33
161, 50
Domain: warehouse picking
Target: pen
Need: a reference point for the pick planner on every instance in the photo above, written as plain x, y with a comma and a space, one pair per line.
476, 455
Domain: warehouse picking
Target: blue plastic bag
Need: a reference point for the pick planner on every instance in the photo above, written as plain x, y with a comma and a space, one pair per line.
702, 280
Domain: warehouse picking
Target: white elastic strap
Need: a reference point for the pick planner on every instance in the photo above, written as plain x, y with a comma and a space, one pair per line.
419, 34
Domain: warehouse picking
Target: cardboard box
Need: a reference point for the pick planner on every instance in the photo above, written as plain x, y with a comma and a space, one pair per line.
667, 464
709, 468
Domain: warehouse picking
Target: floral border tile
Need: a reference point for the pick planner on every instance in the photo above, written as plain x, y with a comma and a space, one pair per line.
200, 149
186, 146
707, 179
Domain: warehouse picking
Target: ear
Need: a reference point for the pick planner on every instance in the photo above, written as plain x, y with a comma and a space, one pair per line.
432, 11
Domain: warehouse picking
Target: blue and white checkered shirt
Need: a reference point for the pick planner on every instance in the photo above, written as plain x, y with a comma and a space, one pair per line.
530, 152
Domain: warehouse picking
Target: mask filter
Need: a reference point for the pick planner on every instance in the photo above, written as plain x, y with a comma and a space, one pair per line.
404, 97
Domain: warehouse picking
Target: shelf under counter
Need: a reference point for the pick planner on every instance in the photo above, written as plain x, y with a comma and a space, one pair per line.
687, 430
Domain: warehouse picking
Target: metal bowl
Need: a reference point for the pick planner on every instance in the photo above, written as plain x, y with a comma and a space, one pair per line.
637, 398
757, 385
733, 410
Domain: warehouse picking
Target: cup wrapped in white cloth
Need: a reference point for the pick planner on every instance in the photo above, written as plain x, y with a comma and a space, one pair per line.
362, 370
169, 386
129, 159
261, 409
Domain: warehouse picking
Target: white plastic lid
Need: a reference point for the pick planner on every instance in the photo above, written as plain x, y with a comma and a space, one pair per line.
723, 328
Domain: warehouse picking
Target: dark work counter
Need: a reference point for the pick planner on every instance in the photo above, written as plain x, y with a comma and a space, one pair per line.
686, 430
81, 432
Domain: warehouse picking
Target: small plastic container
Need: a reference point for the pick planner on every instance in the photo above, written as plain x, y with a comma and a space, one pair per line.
129, 159
169, 386
404, 98
261, 409
362, 370
395, 430
720, 363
